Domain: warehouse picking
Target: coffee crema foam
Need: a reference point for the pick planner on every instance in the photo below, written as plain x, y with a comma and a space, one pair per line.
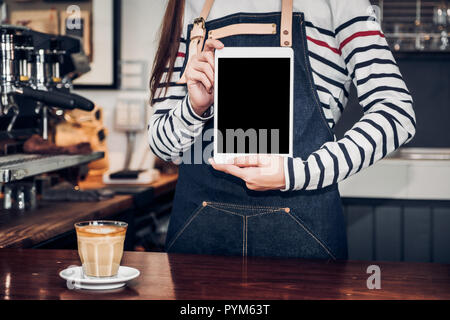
101, 249
99, 231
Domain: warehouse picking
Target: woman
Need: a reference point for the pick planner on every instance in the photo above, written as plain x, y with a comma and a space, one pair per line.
247, 208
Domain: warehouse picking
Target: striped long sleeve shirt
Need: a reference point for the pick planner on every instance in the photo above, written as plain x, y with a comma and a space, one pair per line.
345, 45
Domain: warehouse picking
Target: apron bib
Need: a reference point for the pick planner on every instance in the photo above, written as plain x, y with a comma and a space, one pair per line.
213, 212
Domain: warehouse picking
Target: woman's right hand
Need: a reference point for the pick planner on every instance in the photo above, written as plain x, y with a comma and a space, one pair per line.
200, 77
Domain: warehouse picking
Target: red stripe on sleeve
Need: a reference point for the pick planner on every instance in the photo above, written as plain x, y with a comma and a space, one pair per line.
181, 54
361, 34
324, 44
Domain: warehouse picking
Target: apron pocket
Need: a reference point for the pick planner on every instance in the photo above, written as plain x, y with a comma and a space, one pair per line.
231, 229
282, 234
209, 231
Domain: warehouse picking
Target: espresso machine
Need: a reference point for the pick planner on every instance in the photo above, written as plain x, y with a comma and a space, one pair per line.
36, 75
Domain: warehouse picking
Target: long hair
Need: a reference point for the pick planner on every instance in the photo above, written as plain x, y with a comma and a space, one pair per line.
169, 42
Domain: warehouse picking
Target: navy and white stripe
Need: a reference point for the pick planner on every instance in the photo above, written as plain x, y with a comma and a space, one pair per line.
173, 126
345, 45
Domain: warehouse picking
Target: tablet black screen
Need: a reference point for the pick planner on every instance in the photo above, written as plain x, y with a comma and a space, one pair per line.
253, 105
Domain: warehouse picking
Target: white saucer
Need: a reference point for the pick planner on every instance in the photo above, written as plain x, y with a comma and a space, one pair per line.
77, 280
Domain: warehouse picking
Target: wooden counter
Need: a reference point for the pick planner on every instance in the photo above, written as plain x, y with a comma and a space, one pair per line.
163, 184
33, 274
24, 230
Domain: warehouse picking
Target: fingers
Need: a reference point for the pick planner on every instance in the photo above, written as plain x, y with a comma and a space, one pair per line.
229, 168
212, 44
207, 56
255, 187
198, 76
255, 177
252, 161
206, 69
247, 161
250, 186
203, 64
201, 67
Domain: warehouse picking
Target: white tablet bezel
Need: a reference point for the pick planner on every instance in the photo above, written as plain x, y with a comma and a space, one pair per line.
252, 52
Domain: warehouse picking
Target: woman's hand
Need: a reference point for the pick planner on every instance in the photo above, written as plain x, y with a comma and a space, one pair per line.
200, 77
260, 173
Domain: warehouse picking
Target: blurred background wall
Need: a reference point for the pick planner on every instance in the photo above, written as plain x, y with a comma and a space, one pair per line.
140, 22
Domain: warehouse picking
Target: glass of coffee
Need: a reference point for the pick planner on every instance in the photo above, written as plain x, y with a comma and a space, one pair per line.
100, 246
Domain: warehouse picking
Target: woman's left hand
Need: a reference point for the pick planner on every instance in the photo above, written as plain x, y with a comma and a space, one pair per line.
260, 173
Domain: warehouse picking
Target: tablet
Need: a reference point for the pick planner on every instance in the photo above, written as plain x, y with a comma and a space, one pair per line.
253, 102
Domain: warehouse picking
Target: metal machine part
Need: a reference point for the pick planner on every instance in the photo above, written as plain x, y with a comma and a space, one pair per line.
33, 66
24, 55
36, 73
20, 166
8, 68
20, 196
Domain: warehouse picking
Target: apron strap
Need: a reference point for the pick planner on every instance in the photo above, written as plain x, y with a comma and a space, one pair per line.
206, 9
286, 23
198, 32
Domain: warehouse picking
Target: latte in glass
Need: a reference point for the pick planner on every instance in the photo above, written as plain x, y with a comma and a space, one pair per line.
100, 246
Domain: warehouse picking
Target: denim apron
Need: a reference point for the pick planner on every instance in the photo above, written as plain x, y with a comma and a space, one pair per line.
214, 213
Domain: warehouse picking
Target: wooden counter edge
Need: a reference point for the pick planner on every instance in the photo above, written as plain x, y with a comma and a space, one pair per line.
165, 183
32, 231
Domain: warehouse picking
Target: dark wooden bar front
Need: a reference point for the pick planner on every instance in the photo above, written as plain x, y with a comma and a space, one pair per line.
33, 274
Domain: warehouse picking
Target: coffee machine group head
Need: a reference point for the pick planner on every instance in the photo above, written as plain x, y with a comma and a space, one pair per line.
39, 67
